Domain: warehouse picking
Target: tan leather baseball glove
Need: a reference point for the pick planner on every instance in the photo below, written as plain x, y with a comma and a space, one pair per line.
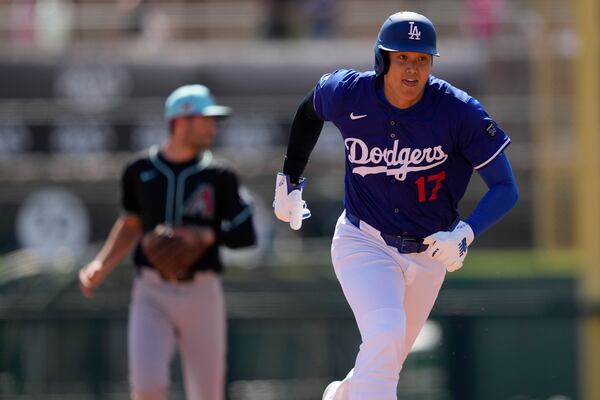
172, 251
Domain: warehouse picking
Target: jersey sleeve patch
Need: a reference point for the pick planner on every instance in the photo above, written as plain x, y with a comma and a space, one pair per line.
491, 129
480, 138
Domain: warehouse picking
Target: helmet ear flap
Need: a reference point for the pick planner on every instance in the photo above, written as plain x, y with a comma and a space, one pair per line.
381, 62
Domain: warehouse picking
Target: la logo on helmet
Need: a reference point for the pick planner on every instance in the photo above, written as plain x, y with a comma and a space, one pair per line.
413, 31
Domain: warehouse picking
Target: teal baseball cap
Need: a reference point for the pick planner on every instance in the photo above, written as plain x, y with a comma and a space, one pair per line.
193, 100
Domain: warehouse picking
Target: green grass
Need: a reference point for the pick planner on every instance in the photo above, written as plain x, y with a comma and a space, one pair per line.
522, 263
518, 263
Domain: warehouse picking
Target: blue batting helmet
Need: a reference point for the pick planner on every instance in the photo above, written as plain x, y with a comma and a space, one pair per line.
193, 100
404, 31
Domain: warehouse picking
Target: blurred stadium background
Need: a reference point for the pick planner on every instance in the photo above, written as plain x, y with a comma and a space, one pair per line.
82, 85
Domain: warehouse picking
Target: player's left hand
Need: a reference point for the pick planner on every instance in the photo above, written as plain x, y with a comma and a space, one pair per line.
450, 248
173, 250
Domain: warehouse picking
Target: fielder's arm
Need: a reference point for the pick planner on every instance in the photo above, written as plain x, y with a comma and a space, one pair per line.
124, 234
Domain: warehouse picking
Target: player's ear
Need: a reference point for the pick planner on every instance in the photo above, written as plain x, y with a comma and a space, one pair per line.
177, 123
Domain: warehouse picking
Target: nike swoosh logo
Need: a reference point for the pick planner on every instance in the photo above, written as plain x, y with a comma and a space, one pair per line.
145, 176
354, 117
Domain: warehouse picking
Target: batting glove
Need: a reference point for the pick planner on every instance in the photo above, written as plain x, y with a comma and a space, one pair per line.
450, 248
288, 204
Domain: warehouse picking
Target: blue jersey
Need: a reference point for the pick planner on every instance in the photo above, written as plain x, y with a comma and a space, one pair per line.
407, 169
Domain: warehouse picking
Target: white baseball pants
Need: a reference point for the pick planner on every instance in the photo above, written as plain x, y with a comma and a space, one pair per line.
187, 315
391, 296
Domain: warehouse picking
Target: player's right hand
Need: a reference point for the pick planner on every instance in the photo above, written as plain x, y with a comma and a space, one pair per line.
288, 204
90, 277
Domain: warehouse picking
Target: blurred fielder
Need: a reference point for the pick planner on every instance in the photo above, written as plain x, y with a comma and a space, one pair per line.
412, 142
179, 204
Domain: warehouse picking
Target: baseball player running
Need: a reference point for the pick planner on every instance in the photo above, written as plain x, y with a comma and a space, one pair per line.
411, 142
180, 203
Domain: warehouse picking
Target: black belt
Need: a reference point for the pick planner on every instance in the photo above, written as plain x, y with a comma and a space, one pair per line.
404, 244
185, 276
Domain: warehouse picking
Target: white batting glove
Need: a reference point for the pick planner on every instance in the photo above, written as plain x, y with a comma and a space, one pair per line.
450, 248
288, 204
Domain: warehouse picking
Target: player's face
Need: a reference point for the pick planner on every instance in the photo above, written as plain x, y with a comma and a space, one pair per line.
200, 132
407, 76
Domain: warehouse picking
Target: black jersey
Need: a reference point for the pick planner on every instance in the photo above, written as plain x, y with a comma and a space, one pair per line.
203, 191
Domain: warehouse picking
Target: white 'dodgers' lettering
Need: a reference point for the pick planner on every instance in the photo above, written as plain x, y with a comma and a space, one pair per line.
398, 163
